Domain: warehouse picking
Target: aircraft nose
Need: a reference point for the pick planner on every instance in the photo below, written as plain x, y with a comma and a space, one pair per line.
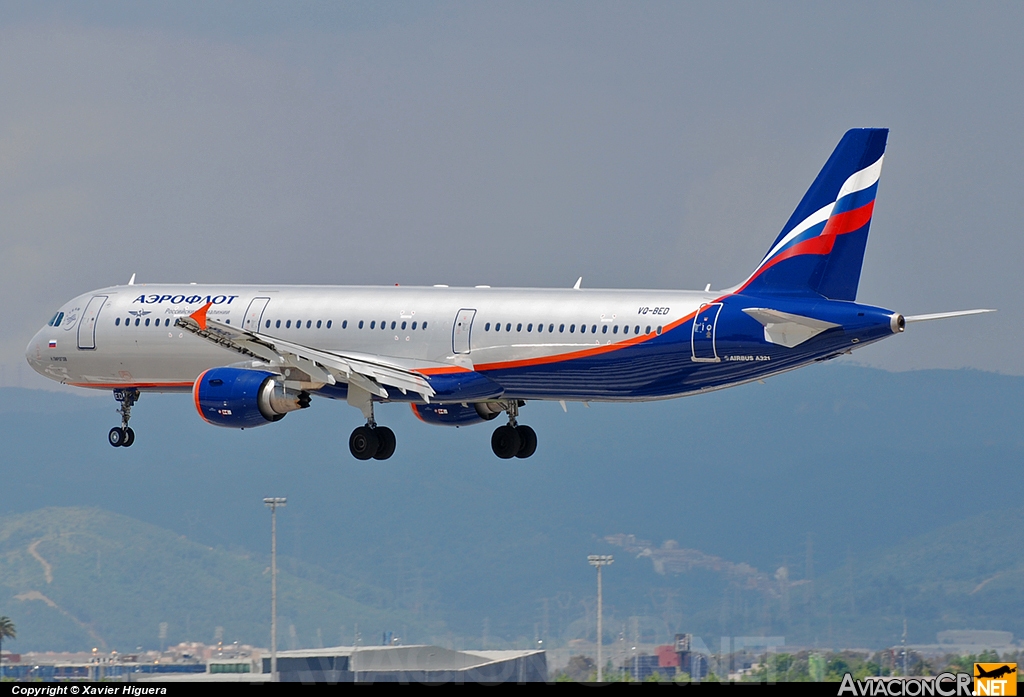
34, 352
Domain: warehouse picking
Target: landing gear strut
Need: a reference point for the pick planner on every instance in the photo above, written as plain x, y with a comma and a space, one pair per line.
372, 441
124, 436
513, 439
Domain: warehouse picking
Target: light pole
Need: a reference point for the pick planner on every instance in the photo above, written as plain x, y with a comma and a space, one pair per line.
599, 560
272, 504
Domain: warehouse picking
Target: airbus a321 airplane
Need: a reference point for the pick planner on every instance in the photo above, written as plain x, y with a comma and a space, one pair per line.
251, 354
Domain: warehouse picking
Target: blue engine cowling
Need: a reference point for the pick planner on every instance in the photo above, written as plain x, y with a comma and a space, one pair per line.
241, 398
456, 414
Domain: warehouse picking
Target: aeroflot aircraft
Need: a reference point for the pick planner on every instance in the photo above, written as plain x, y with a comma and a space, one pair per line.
459, 356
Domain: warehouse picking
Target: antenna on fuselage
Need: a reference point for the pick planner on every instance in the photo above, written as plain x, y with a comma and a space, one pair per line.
578, 282
131, 281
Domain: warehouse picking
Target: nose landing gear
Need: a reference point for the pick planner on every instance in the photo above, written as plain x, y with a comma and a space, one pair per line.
124, 436
513, 439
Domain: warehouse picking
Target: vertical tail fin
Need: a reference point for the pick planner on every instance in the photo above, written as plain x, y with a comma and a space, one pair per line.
821, 249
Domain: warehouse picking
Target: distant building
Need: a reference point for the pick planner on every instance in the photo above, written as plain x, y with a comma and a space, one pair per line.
409, 664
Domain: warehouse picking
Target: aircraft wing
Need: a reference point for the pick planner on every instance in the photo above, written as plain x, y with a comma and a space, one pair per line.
367, 372
787, 329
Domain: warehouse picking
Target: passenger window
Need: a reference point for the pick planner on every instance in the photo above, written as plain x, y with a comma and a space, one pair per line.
561, 328
593, 329
392, 324
583, 329
318, 324
147, 321
572, 328
615, 329
384, 324
508, 326
117, 322
403, 326
636, 329
540, 327
373, 324
648, 330
136, 321
604, 329
625, 330
277, 325
659, 331
360, 324
167, 322
424, 325
519, 327
268, 324
497, 327
414, 326
551, 328
288, 324
529, 327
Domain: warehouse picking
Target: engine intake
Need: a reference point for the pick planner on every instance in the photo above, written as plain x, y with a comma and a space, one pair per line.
242, 398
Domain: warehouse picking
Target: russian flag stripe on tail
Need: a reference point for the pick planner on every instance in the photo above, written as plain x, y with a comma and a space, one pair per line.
821, 249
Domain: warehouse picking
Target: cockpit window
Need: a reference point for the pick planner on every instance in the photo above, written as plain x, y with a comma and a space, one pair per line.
56, 320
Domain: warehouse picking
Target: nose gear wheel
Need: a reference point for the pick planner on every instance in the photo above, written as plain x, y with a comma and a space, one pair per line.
123, 436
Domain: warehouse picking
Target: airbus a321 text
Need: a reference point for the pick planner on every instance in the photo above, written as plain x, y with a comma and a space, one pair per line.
249, 355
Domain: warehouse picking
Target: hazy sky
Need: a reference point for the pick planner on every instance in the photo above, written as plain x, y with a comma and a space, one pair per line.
635, 144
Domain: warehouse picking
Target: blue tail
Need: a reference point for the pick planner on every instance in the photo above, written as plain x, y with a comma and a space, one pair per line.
821, 249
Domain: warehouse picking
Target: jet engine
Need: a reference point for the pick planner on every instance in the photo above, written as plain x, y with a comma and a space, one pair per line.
242, 398
457, 414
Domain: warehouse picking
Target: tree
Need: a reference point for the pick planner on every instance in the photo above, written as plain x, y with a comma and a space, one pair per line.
7, 629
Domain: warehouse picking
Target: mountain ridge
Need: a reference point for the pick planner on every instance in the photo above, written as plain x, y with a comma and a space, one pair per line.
858, 458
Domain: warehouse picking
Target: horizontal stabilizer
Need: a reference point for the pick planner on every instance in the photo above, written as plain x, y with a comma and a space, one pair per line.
785, 329
944, 315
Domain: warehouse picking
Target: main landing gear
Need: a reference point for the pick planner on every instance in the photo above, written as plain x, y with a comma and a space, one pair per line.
513, 439
124, 436
372, 441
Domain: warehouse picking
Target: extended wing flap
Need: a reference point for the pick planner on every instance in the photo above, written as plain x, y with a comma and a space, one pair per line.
367, 372
786, 329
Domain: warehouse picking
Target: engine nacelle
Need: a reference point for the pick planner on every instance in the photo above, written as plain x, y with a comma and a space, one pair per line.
241, 398
457, 414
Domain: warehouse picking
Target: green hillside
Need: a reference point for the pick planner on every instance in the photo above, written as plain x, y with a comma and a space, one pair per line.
966, 575
854, 460
75, 578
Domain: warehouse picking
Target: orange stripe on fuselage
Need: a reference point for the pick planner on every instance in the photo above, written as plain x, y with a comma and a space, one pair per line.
129, 385
442, 371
